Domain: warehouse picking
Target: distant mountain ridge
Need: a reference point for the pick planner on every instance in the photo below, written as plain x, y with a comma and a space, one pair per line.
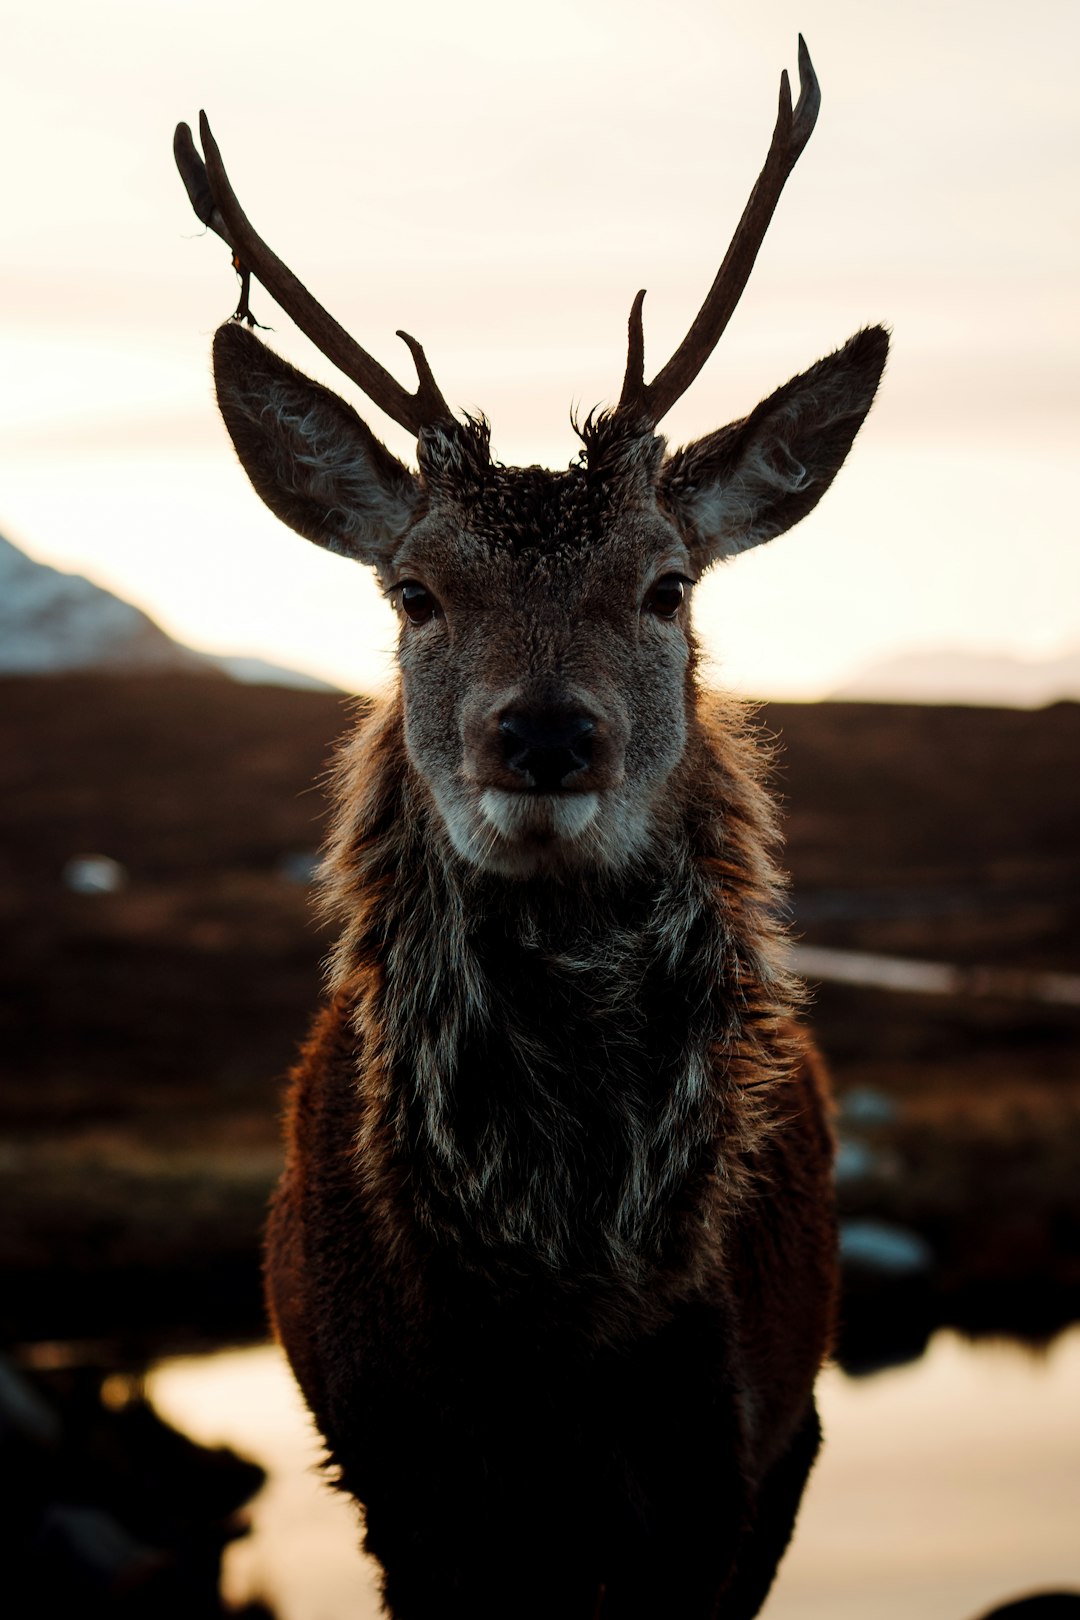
990, 680
52, 622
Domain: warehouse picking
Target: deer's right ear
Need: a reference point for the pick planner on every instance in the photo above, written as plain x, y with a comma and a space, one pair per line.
313, 461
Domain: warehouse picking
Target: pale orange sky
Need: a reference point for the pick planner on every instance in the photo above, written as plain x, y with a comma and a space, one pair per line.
500, 180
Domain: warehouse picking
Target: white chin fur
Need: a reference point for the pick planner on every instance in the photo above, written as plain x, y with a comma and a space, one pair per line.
519, 835
528, 816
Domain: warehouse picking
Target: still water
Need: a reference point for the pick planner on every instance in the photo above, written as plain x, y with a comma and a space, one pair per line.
945, 1486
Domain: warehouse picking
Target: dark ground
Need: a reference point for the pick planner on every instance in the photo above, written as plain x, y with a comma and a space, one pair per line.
145, 1032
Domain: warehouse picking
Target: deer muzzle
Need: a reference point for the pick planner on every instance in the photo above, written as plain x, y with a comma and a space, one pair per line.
544, 747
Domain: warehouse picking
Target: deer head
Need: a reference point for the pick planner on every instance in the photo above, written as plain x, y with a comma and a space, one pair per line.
546, 651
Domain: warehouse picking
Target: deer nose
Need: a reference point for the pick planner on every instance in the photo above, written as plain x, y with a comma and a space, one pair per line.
547, 745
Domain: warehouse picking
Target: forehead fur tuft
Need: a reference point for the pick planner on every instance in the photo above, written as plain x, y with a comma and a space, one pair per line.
455, 456
620, 450
533, 508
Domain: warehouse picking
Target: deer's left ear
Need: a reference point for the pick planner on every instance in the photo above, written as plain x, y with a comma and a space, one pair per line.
754, 479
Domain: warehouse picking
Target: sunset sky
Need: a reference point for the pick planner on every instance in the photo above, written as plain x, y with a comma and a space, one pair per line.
500, 180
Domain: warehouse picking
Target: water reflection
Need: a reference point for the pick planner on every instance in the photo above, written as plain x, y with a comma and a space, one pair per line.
302, 1553
945, 1486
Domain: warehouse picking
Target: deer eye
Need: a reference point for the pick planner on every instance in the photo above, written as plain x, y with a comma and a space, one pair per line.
666, 597
417, 602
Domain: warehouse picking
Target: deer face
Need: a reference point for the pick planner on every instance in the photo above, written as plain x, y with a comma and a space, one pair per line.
544, 652
545, 645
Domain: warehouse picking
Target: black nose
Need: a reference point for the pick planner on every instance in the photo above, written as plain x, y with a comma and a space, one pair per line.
547, 745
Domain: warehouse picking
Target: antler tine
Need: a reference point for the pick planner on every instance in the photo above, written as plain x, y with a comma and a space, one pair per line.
193, 174
216, 204
633, 389
791, 134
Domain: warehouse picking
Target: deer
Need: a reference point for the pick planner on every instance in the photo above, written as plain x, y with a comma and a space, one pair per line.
553, 1254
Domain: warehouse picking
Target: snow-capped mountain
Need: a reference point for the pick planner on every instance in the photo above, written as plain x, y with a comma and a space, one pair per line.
52, 621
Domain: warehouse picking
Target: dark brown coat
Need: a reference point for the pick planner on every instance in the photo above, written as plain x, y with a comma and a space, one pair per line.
602, 1397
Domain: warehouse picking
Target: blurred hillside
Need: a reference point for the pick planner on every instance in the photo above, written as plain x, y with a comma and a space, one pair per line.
943, 675
147, 1021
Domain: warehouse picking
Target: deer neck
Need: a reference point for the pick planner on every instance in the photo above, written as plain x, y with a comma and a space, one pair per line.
566, 1067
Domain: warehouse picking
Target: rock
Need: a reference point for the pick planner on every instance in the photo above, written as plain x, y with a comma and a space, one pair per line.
1040, 1606
866, 1107
94, 874
887, 1311
855, 1161
300, 866
878, 1246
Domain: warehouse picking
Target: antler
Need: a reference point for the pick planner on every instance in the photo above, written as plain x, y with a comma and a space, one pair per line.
791, 134
215, 203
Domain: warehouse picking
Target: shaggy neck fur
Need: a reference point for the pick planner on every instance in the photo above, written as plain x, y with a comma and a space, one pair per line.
566, 1078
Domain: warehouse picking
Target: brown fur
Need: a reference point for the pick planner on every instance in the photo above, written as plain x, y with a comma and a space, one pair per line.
418, 1334
553, 1254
